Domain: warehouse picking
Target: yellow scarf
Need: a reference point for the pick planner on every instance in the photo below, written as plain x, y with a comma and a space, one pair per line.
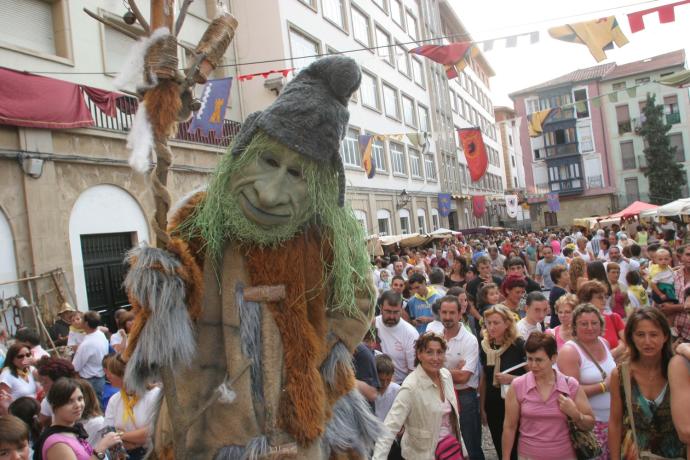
493, 357
23, 374
128, 403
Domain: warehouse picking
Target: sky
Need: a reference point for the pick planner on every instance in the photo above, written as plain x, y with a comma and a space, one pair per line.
527, 64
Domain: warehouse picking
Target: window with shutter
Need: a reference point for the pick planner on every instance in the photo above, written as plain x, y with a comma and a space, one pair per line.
29, 24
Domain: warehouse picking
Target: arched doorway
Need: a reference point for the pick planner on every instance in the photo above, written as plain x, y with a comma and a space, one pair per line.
8, 260
105, 222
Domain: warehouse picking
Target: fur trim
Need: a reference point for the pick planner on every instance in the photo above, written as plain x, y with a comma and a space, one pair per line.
254, 450
250, 333
167, 337
352, 427
339, 355
301, 319
140, 141
182, 211
133, 70
191, 274
164, 103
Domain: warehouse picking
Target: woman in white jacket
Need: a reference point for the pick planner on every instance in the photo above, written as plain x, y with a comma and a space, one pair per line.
426, 406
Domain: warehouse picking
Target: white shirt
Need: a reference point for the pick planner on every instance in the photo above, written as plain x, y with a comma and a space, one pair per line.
435, 326
92, 427
118, 337
87, 361
18, 386
75, 338
464, 346
525, 329
46, 410
398, 343
144, 411
384, 402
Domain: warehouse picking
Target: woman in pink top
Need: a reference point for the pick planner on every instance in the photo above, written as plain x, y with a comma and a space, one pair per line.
66, 439
540, 403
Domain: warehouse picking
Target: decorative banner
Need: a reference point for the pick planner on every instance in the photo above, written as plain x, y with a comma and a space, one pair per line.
537, 120
553, 202
365, 147
453, 56
632, 92
512, 206
478, 205
249, 76
214, 101
613, 97
443, 204
598, 35
666, 14
511, 40
475, 152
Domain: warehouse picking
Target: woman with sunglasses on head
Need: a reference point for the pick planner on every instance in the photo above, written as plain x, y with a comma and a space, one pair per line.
426, 406
641, 420
17, 377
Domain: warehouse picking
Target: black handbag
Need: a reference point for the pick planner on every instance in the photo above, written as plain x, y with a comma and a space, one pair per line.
584, 443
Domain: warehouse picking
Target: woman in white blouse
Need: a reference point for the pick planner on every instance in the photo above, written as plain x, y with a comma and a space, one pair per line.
130, 414
17, 376
426, 406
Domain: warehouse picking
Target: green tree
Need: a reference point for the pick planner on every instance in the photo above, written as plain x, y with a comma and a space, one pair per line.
666, 176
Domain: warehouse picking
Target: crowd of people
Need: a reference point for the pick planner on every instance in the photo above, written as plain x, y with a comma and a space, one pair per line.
536, 337
58, 408
561, 344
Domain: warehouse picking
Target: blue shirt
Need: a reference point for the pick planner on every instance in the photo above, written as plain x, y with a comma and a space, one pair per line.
421, 306
544, 269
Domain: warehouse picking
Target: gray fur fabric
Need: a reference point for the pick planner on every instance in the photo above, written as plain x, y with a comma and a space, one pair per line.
254, 450
250, 333
167, 338
352, 426
338, 355
310, 116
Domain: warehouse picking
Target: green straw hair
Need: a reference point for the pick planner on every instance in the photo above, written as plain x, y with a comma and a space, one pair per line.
219, 219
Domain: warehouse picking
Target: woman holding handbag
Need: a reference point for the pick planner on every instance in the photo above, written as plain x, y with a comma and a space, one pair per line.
587, 359
541, 403
641, 426
426, 406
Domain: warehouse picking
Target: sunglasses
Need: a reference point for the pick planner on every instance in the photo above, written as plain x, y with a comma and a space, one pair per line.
24, 356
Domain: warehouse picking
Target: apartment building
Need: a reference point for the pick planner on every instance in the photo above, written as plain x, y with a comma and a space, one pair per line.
508, 125
623, 118
571, 157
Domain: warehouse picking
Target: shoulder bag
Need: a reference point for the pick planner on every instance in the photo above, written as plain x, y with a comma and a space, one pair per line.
627, 387
584, 442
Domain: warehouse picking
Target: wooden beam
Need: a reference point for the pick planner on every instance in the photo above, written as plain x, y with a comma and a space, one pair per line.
162, 14
140, 17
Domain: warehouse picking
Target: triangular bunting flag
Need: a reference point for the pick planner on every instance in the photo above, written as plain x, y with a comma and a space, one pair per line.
365, 147
613, 97
596, 102
666, 14
537, 120
453, 56
632, 92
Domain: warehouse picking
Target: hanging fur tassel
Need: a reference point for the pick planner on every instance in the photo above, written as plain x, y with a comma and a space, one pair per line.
133, 70
164, 101
140, 141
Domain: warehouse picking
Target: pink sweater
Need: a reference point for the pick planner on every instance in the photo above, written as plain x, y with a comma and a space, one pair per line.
81, 448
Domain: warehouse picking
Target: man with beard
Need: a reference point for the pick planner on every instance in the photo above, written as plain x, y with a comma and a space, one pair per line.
252, 313
625, 264
397, 337
462, 357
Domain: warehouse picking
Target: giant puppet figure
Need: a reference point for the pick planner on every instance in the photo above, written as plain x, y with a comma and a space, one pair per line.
255, 307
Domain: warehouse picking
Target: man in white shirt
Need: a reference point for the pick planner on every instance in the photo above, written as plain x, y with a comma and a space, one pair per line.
626, 265
462, 360
536, 308
397, 337
88, 360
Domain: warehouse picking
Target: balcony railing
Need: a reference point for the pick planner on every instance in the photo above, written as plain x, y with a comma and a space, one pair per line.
126, 107
561, 115
624, 126
561, 149
673, 118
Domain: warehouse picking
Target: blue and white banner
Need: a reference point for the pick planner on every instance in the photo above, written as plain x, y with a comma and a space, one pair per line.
214, 101
444, 204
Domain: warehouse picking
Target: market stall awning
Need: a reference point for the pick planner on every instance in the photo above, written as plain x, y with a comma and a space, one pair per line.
677, 79
674, 208
631, 211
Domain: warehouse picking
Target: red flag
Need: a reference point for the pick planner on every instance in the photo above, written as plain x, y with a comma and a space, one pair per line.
666, 14
453, 56
478, 205
475, 152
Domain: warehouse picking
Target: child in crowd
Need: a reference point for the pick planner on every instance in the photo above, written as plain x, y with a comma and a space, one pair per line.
384, 281
619, 294
388, 389
661, 278
76, 330
14, 438
536, 308
637, 294
487, 297
27, 409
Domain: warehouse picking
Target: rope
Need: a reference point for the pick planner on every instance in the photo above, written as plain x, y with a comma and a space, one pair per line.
161, 196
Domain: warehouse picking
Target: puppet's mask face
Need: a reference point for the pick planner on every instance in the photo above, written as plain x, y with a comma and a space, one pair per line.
273, 190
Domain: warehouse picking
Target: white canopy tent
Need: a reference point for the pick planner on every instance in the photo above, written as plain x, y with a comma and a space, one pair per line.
674, 208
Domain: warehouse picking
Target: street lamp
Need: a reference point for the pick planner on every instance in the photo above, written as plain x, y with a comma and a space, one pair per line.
402, 200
